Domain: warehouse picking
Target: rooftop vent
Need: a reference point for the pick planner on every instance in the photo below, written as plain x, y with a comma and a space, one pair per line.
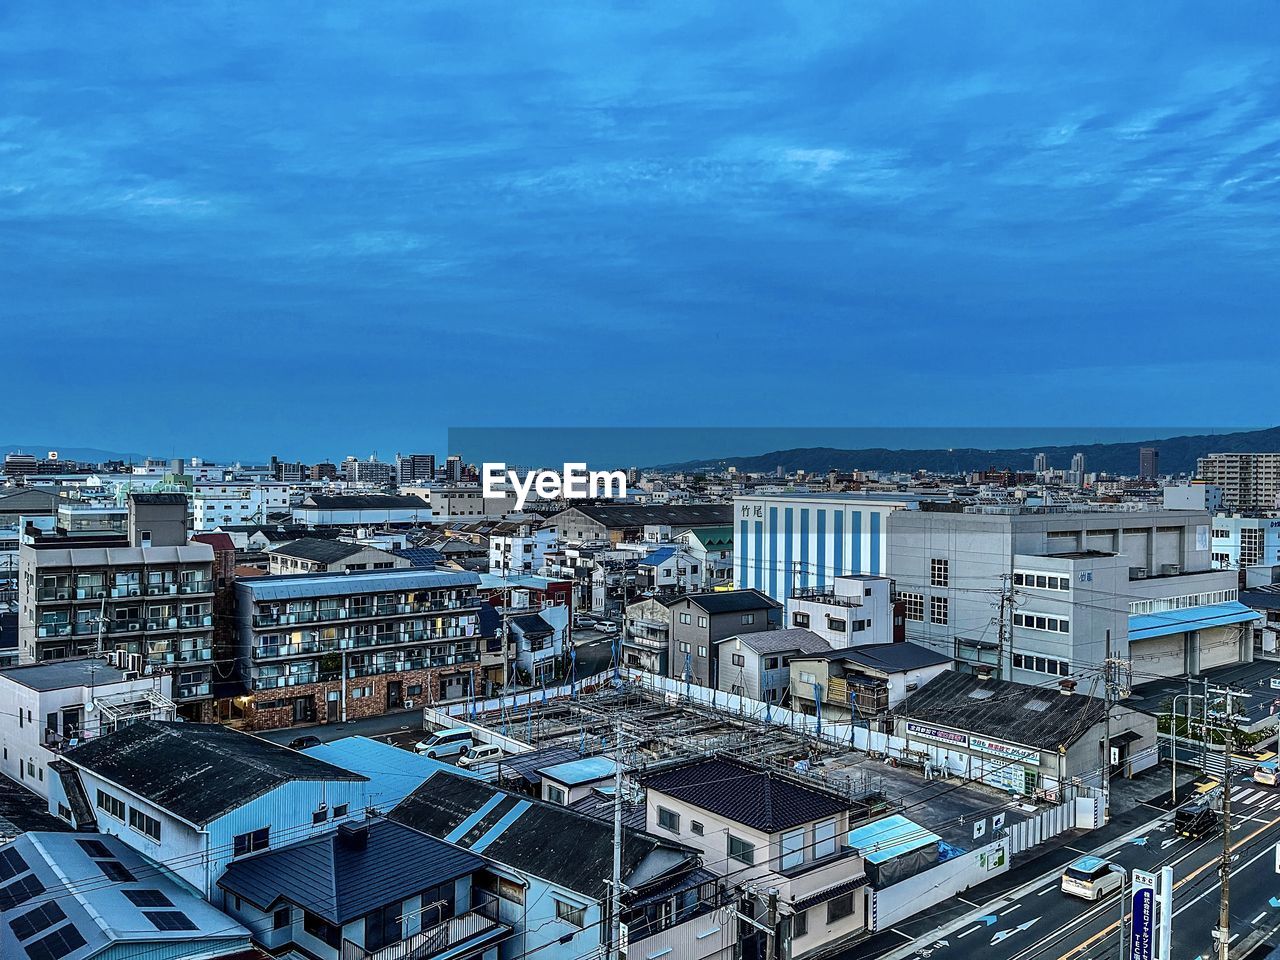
1066, 687
354, 836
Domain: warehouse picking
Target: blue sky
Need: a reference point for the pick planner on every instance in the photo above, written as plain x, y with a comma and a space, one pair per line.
320, 229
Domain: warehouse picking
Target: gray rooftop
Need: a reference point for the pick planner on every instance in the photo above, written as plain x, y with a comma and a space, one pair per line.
779, 641
332, 584
60, 674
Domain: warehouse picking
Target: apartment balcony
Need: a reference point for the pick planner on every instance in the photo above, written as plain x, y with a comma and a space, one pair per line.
126, 590
273, 651
98, 592
118, 627
193, 691
280, 683
195, 622
478, 926
166, 653
363, 612
826, 596
196, 586
53, 630
161, 590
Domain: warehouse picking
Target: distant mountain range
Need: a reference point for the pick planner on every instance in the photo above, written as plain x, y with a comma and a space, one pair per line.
1177, 455
85, 454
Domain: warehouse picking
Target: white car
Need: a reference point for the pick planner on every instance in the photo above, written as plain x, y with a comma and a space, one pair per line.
607, 628
483, 753
1092, 878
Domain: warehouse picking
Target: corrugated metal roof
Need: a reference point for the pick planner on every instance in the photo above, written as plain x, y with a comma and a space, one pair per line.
576, 772
124, 556
1167, 622
658, 557
326, 585
393, 773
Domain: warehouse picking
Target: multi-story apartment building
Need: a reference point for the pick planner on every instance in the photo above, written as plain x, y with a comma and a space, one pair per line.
331, 647
523, 550
851, 612
1249, 481
415, 468
236, 503
148, 594
1070, 579
372, 471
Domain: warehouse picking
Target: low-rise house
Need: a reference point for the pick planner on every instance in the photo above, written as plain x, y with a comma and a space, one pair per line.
315, 555
198, 796
48, 708
120, 905
646, 635
851, 611
862, 683
701, 620
567, 783
711, 549
551, 867
367, 891
537, 647
758, 665
764, 828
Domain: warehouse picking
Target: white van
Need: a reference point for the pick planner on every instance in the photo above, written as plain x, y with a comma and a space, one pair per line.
484, 753
1092, 878
454, 742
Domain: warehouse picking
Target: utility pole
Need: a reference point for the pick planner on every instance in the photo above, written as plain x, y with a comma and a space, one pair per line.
1223, 933
1004, 622
615, 893
771, 921
1116, 688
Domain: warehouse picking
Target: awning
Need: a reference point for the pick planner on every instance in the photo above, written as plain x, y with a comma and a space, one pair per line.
891, 837
1129, 736
1169, 622
830, 893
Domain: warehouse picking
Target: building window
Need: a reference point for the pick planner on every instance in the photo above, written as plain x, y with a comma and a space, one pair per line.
939, 573
684, 647
686, 618
799, 924
282, 918
321, 929
668, 820
772, 663
840, 907
570, 913
837, 624
739, 660
702, 621
799, 619
702, 651
555, 794
748, 618
824, 839
792, 849
254, 840
144, 824
914, 603
113, 806
319, 817
695, 828
741, 850
340, 810
938, 610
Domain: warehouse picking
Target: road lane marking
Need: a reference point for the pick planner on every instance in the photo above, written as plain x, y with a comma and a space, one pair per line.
976, 926
1046, 890
1255, 920
1010, 910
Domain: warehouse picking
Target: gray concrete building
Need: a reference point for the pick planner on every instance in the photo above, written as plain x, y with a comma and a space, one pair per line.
699, 621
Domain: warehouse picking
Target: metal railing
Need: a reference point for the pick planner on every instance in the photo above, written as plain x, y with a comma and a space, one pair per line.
435, 940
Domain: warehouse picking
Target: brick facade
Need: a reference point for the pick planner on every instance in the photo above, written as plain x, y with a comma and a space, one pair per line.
433, 690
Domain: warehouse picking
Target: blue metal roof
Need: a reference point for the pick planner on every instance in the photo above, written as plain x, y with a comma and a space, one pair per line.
891, 837
576, 772
393, 773
658, 557
1167, 622
328, 585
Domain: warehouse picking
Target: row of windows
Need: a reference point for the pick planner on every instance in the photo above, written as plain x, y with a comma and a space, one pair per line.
1040, 621
1041, 581
114, 807
793, 843
686, 648
1054, 668
939, 572
1184, 602
939, 608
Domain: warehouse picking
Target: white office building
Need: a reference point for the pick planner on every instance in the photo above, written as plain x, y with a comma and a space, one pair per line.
236, 503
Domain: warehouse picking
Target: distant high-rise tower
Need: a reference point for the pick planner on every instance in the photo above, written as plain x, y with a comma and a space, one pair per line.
1148, 463
415, 468
453, 469
1041, 463
1077, 469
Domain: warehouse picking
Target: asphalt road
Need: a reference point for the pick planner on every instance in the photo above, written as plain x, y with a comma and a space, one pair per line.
1043, 923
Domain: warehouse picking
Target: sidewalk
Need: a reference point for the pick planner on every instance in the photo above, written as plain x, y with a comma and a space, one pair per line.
1135, 803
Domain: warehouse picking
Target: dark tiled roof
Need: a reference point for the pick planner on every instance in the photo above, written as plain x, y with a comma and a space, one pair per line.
347, 501
526, 766
730, 601
219, 541
892, 657
559, 845
339, 880
318, 551
1266, 597
533, 626
1035, 716
198, 771
755, 798
619, 516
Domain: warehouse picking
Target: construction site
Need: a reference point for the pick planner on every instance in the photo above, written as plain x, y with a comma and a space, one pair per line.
656, 728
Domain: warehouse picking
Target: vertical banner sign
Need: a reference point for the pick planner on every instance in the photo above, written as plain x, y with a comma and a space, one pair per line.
1165, 942
1142, 936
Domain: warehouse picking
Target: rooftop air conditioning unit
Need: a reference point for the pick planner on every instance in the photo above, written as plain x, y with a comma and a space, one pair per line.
1170, 569
1137, 573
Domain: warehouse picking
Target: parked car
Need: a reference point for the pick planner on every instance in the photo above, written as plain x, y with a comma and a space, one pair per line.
584, 623
607, 627
453, 742
302, 743
1092, 878
483, 753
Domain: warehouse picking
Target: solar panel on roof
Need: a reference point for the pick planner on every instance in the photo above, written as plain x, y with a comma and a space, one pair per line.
56, 945
33, 921
95, 848
11, 864
116, 871
19, 892
148, 898
169, 920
